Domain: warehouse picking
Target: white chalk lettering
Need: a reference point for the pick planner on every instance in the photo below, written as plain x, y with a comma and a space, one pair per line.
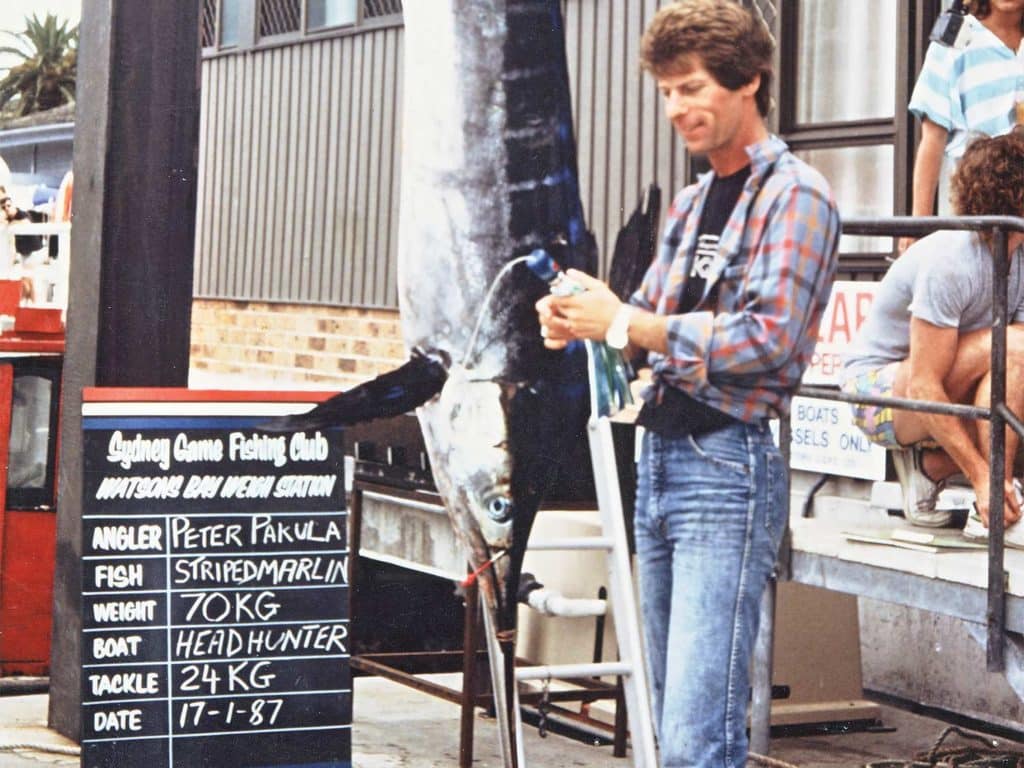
258, 448
200, 643
119, 576
229, 642
125, 683
127, 538
239, 680
247, 486
124, 610
214, 607
303, 448
305, 486
240, 677
115, 647
315, 637
140, 487
187, 451
203, 486
139, 450
185, 535
266, 530
117, 720
239, 571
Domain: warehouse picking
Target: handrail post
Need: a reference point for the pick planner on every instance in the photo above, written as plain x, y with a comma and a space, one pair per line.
996, 613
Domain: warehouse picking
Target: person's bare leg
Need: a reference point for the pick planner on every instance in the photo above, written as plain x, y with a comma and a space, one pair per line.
1014, 401
972, 362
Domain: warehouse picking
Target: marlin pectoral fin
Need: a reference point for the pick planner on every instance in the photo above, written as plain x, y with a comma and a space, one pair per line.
390, 394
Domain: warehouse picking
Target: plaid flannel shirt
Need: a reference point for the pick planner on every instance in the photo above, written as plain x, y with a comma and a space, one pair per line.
745, 345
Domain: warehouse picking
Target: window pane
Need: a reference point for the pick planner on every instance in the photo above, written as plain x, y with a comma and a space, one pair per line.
861, 179
279, 17
230, 22
208, 23
847, 60
30, 432
330, 13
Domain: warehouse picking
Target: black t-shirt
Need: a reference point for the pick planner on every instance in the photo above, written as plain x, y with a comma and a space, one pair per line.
675, 413
722, 197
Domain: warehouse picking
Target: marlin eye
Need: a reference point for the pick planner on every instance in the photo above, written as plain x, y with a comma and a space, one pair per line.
499, 509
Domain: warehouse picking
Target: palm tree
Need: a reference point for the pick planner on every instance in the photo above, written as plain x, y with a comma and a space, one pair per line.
45, 77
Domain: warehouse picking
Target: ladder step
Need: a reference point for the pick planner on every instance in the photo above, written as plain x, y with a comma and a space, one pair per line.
575, 542
569, 671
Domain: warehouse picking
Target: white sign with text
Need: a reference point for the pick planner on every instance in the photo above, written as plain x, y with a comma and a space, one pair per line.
824, 437
846, 312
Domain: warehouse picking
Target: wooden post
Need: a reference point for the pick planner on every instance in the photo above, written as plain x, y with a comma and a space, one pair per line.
136, 141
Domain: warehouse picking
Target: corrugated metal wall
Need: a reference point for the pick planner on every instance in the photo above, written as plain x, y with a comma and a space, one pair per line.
299, 149
624, 141
298, 175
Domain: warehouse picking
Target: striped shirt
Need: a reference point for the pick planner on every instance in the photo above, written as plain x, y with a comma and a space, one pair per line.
971, 90
746, 344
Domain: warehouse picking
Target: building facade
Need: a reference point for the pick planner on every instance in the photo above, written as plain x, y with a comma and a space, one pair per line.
299, 158
298, 204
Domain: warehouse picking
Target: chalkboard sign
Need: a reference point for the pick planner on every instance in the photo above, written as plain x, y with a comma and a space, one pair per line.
215, 592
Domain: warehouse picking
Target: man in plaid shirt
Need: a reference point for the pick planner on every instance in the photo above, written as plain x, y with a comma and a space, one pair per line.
729, 314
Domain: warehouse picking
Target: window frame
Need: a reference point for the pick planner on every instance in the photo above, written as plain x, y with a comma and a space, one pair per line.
41, 498
307, 30
915, 18
250, 39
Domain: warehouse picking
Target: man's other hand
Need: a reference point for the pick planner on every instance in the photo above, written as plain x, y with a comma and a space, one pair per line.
585, 315
588, 314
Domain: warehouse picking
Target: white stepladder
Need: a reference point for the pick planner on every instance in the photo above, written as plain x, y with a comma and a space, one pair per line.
609, 391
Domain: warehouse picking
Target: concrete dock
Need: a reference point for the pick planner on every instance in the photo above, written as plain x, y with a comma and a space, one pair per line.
398, 727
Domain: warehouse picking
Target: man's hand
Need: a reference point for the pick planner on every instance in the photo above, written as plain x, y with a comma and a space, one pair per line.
1011, 507
584, 315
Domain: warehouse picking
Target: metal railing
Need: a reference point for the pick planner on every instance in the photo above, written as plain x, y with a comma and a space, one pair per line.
997, 413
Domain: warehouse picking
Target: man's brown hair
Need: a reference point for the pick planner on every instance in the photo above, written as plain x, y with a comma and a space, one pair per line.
732, 43
989, 179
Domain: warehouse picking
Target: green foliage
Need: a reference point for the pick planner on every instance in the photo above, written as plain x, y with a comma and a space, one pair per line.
45, 76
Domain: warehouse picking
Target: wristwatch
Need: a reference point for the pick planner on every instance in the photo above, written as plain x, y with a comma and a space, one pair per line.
617, 335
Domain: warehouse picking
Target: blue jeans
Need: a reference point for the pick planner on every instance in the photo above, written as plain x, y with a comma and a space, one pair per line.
710, 513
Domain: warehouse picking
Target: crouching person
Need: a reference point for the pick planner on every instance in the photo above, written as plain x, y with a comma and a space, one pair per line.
928, 337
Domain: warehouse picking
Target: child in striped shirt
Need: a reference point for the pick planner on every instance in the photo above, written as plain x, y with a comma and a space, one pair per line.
960, 92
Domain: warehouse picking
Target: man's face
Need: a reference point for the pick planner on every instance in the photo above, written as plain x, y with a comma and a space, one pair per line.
8, 209
707, 116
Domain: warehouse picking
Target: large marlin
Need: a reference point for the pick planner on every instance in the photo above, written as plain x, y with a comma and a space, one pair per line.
488, 175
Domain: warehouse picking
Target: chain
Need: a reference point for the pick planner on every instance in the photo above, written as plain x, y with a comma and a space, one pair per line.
543, 707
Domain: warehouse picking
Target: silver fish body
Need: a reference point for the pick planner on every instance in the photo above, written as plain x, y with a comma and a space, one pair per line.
488, 175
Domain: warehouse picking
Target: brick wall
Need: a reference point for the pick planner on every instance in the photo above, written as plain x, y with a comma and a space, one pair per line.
292, 346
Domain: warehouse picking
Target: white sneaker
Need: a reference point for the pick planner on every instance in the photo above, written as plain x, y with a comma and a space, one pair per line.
919, 493
975, 530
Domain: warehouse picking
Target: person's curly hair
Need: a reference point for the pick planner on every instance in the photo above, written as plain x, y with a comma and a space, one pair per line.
982, 8
732, 43
989, 179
